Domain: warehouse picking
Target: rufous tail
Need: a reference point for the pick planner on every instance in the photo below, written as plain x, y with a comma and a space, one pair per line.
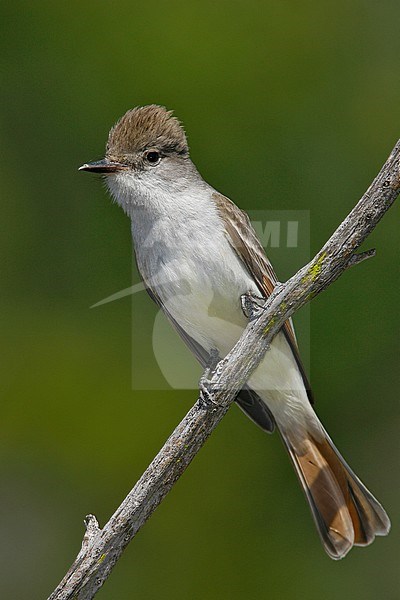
344, 511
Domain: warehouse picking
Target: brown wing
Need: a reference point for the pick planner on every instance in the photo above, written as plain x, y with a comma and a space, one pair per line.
244, 241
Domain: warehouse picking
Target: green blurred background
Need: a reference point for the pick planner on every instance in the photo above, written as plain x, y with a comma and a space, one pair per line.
288, 105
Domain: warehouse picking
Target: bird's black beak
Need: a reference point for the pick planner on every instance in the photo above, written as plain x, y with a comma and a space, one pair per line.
103, 166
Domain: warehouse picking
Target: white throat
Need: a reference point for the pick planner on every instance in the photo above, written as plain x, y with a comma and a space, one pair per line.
170, 220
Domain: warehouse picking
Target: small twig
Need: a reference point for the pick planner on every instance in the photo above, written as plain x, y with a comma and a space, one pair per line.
361, 256
103, 547
92, 527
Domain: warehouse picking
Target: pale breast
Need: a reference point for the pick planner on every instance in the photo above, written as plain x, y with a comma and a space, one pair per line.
198, 277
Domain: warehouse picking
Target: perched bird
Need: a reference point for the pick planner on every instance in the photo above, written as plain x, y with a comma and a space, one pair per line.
198, 254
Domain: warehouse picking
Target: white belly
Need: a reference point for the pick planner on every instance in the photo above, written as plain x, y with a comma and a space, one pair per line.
206, 304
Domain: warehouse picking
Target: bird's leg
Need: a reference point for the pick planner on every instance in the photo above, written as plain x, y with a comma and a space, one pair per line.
206, 392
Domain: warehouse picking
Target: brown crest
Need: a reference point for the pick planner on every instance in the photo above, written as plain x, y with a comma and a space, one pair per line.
146, 127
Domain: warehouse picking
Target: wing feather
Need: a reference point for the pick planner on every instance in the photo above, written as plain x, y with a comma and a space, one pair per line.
245, 243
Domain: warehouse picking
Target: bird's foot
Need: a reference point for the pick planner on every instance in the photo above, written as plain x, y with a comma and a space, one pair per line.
251, 305
205, 385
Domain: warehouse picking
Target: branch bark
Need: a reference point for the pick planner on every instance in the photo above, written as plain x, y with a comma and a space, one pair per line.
101, 548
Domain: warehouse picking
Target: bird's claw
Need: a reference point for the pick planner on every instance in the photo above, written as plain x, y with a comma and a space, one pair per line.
206, 394
251, 304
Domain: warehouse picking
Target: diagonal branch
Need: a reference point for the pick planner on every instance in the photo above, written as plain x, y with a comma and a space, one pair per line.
101, 548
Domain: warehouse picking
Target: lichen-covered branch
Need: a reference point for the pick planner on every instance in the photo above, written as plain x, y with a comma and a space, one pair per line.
101, 548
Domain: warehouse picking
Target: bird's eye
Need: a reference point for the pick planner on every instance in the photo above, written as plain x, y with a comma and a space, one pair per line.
153, 157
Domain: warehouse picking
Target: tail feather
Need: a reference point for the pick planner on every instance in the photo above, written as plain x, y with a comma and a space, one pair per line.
344, 511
